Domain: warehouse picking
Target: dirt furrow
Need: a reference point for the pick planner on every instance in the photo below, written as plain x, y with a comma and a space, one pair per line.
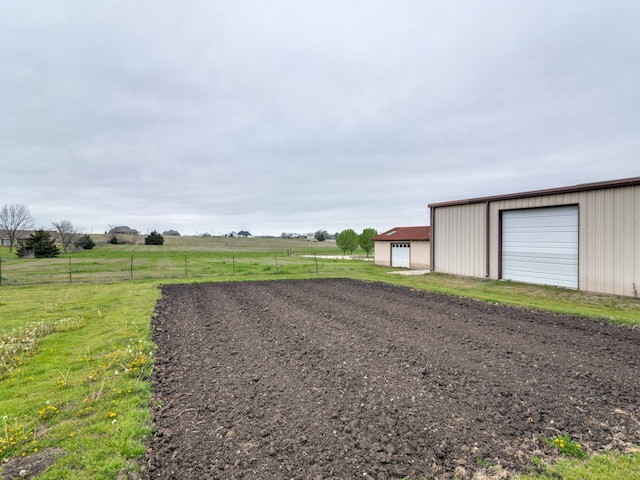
343, 379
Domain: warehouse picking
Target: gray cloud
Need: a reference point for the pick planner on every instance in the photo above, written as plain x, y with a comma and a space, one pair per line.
298, 116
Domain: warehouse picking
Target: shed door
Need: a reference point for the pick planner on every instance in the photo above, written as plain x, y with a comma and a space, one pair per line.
540, 245
400, 255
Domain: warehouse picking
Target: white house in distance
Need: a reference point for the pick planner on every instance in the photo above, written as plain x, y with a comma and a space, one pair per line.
585, 237
402, 247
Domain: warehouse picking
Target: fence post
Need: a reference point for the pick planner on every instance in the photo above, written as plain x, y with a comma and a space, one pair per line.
233, 260
186, 274
316, 259
69, 269
131, 267
0, 270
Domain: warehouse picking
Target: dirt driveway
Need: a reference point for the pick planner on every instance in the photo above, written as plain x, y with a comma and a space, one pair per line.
340, 379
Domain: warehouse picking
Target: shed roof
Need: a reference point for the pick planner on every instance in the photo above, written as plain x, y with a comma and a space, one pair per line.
625, 182
404, 234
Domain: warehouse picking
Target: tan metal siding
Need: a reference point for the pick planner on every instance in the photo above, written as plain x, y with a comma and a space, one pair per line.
610, 239
382, 253
420, 254
460, 239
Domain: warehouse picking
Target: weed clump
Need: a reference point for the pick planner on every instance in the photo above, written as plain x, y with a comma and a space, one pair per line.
565, 445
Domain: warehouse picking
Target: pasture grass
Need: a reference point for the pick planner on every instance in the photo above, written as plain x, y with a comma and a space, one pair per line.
598, 467
83, 388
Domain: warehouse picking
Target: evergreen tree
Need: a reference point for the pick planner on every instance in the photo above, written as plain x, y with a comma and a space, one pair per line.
321, 235
154, 238
40, 245
85, 242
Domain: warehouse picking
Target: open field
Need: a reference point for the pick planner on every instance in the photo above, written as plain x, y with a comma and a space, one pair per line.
95, 331
198, 258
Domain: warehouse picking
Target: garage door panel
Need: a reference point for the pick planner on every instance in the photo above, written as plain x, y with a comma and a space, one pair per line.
541, 246
400, 255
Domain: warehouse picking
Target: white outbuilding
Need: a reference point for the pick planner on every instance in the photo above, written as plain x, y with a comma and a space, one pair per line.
402, 247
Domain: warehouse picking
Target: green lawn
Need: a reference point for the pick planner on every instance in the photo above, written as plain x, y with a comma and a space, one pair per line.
75, 357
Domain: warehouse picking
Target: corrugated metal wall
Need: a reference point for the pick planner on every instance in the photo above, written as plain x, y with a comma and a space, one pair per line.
610, 241
460, 239
609, 237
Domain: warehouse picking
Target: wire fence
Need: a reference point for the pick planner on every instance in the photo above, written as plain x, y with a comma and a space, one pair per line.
96, 270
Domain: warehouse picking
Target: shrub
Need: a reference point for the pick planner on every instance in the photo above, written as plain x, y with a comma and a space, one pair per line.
154, 238
85, 242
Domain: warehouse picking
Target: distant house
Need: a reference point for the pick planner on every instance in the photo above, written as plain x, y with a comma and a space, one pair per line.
241, 233
124, 230
407, 247
171, 233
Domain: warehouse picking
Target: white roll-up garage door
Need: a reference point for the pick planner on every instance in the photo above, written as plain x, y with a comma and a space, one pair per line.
400, 255
540, 245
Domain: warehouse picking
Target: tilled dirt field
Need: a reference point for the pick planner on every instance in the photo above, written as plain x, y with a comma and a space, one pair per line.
340, 379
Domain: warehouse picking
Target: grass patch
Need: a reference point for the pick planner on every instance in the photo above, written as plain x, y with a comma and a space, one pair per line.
81, 390
596, 467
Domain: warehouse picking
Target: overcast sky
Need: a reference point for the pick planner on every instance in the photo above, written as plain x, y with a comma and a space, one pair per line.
297, 115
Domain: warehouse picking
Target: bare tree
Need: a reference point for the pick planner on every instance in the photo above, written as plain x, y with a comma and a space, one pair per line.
67, 232
15, 217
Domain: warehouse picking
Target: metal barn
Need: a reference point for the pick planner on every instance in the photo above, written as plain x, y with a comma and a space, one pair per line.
585, 237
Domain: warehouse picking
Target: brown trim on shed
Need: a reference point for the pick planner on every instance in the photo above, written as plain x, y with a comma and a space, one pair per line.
432, 261
500, 244
487, 264
582, 187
